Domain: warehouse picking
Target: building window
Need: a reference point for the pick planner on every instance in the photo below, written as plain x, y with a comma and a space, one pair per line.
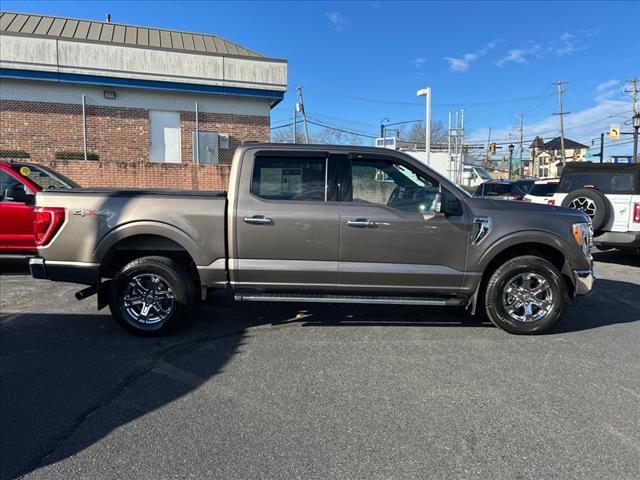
164, 136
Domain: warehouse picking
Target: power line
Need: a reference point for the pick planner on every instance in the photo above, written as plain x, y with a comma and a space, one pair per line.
399, 102
573, 127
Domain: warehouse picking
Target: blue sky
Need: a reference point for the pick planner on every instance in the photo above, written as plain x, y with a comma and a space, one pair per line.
360, 62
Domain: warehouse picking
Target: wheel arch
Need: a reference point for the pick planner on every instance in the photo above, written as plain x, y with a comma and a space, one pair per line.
542, 244
142, 239
160, 235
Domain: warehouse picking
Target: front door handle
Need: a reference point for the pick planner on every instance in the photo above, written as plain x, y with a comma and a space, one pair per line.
258, 220
362, 223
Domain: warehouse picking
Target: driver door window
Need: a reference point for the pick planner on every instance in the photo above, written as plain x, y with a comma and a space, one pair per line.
393, 185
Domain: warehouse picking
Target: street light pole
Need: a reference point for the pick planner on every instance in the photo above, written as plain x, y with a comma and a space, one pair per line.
426, 92
636, 125
511, 148
383, 132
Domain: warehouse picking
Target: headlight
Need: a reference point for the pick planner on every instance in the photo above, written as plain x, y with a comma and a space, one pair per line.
583, 235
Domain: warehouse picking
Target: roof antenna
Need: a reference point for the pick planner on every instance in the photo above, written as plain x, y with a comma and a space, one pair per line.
108, 18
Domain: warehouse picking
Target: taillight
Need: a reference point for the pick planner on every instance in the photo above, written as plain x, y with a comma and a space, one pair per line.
47, 222
551, 202
636, 213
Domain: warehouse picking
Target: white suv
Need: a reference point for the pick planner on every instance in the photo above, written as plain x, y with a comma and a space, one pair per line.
542, 191
610, 195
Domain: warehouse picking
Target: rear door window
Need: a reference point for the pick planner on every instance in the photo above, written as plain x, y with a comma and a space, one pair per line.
605, 182
290, 178
494, 189
543, 189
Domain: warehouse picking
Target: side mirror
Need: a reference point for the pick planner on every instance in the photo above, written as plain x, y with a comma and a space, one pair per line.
448, 206
16, 193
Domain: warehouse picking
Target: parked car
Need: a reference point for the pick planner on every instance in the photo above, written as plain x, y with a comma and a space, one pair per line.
19, 182
504, 189
305, 223
542, 191
610, 196
474, 175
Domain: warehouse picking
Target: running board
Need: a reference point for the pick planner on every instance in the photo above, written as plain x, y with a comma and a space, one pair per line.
386, 300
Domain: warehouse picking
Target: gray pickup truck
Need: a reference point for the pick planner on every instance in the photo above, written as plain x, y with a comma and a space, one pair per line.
315, 223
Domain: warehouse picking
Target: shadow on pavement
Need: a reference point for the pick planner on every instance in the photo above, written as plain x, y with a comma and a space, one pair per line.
58, 371
617, 257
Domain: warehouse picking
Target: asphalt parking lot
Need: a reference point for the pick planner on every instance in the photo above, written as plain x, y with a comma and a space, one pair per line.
293, 391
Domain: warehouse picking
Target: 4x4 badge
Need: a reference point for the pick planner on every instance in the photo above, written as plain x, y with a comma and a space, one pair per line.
89, 212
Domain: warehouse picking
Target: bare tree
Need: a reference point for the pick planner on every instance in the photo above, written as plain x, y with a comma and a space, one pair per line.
321, 136
416, 134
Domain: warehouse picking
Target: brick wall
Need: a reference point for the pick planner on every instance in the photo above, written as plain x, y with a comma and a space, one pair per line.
120, 136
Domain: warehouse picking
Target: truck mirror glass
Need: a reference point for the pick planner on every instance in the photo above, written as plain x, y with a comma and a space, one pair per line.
16, 193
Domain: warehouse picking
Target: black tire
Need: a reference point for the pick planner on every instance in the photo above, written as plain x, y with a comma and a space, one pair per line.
494, 306
174, 282
586, 200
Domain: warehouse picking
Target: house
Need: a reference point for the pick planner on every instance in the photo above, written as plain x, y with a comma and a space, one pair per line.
117, 105
545, 159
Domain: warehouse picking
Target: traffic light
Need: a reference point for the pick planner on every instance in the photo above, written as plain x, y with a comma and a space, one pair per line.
575, 155
465, 149
492, 148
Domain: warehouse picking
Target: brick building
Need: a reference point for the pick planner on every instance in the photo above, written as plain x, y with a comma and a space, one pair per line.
128, 106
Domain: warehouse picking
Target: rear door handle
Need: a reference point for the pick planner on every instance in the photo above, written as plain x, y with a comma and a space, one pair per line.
362, 223
258, 220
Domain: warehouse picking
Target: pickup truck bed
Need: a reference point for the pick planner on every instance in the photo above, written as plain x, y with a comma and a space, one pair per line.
154, 220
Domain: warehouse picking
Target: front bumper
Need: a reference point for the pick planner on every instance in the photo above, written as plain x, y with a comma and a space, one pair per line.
583, 280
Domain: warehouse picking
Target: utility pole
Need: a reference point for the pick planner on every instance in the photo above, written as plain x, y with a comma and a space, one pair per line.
426, 92
634, 93
449, 147
601, 147
521, 140
486, 160
461, 166
295, 123
562, 113
304, 114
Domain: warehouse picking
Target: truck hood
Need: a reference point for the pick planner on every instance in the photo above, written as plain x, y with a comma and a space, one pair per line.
496, 207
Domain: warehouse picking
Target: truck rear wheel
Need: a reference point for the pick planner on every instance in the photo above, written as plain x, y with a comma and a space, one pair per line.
152, 296
527, 295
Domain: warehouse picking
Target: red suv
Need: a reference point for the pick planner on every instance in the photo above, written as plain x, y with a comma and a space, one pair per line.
19, 183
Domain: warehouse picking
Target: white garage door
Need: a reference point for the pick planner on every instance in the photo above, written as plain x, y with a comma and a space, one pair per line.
165, 136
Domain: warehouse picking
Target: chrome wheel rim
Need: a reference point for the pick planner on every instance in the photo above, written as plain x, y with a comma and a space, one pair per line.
585, 205
527, 297
148, 299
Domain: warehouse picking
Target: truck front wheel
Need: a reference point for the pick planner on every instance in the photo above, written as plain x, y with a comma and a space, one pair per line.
526, 295
152, 296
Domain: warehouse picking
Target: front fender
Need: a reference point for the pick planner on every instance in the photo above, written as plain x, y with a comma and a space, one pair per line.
485, 255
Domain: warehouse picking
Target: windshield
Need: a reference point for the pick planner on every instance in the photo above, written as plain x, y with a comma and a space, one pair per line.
43, 177
483, 173
543, 189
